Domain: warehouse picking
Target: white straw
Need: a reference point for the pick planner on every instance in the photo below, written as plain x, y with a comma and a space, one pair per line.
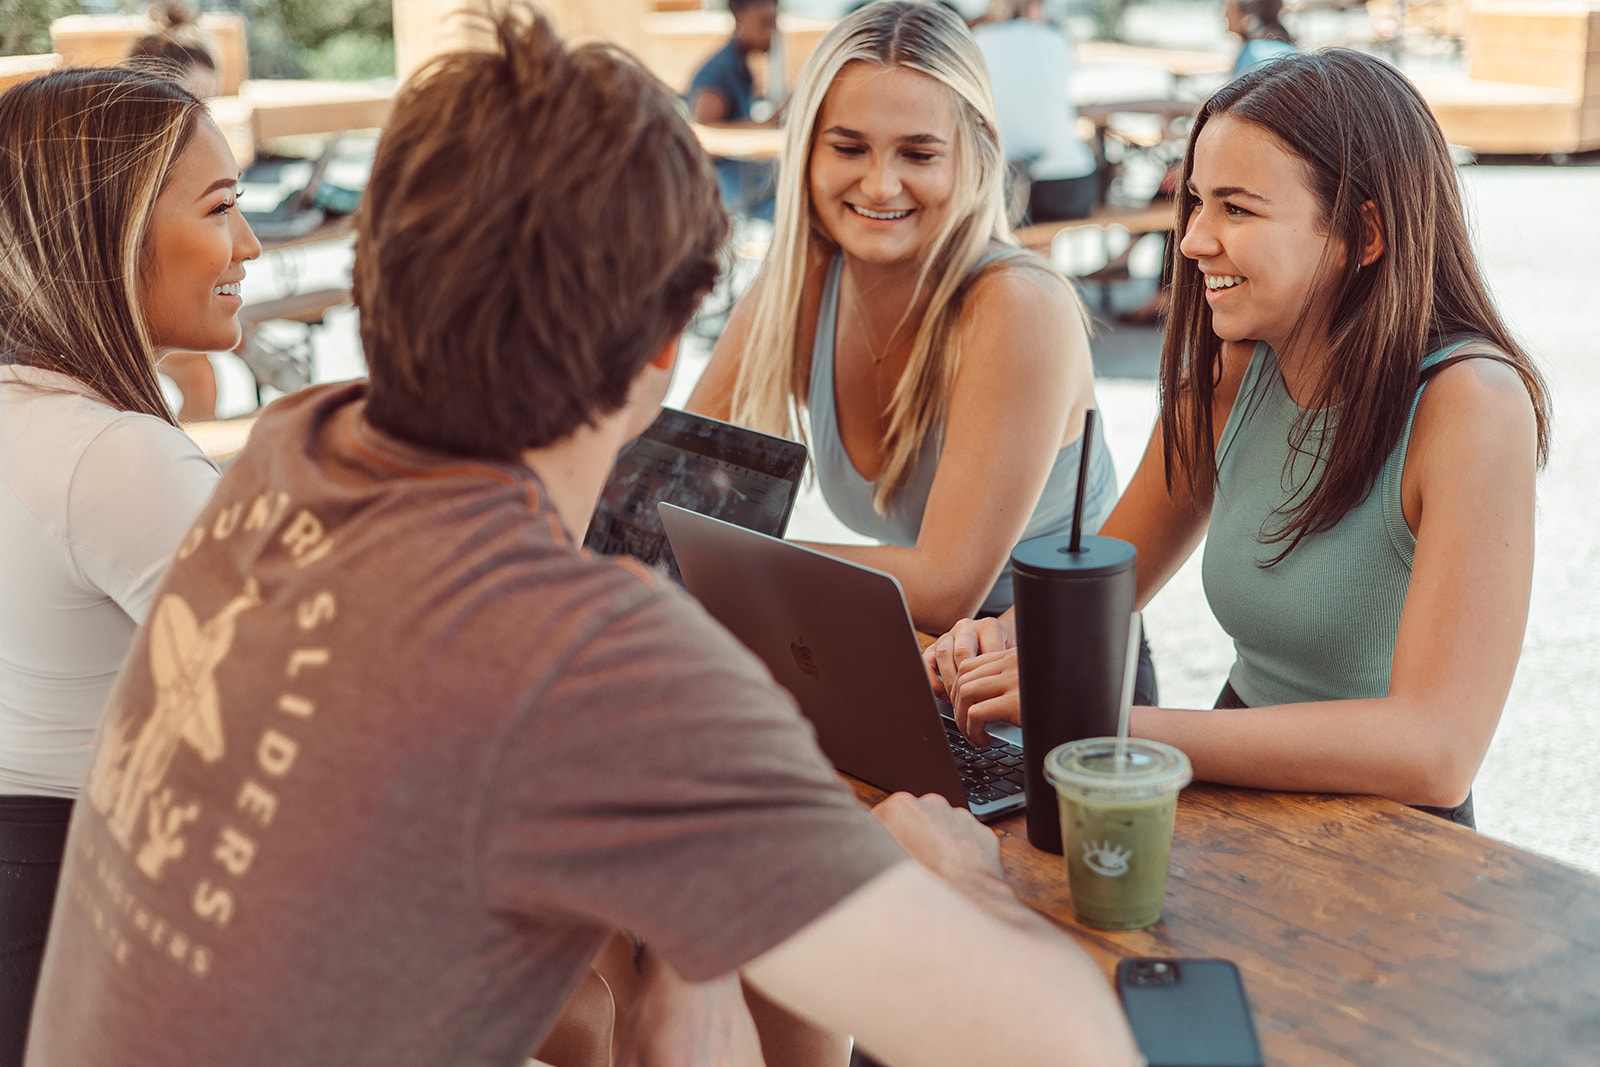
1130, 670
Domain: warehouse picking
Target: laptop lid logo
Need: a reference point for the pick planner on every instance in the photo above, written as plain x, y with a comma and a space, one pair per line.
804, 658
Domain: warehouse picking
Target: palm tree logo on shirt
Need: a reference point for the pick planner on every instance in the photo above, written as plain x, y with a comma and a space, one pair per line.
127, 778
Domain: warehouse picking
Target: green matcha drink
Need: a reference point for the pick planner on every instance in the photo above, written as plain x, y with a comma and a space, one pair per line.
1116, 825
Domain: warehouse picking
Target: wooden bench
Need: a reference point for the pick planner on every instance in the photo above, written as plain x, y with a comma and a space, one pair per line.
17, 69
221, 439
285, 364
1136, 221
308, 308
1533, 81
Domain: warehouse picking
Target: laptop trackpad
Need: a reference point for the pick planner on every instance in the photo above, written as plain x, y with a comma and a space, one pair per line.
1000, 731
1004, 731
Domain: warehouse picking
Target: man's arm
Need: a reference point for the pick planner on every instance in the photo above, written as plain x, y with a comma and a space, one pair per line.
920, 961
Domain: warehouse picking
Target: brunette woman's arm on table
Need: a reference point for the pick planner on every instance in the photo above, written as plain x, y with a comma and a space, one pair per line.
1014, 396
1471, 469
1164, 526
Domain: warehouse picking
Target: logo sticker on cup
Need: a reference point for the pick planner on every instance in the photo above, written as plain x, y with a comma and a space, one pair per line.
1106, 859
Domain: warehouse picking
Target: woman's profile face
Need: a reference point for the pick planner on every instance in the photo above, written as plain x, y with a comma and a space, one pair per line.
882, 168
1257, 235
196, 250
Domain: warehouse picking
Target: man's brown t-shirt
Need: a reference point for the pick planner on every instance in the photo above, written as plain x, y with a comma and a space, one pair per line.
390, 758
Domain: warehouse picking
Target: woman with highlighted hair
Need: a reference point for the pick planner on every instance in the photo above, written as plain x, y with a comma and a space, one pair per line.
939, 373
122, 243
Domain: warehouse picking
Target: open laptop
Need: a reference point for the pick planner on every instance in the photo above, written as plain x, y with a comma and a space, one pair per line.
838, 636
747, 478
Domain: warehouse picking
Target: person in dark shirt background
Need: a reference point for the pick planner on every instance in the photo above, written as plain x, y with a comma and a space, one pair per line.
722, 93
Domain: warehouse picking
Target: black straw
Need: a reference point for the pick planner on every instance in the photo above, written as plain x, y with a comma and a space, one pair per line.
1083, 480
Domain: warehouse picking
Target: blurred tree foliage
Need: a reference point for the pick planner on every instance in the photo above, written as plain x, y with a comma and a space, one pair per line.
319, 38
25, 24
288, 38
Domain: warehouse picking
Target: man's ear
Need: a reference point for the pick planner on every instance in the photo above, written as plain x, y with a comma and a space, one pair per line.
664, 359
1372, 241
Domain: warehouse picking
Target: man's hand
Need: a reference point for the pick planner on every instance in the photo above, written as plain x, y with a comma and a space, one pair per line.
985, 692
966, 639
675, 1023
947, 841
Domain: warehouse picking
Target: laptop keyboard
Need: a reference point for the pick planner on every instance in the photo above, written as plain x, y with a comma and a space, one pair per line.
987, 774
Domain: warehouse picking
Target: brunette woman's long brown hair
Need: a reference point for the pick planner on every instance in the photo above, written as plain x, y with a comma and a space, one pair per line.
1364, 135
83, 156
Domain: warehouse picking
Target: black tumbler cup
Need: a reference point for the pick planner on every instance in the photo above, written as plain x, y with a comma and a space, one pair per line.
1072, 637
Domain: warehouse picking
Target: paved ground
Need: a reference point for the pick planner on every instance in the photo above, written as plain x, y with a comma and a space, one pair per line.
1538, 234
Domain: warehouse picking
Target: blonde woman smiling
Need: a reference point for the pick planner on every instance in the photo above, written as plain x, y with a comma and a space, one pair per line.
940, 373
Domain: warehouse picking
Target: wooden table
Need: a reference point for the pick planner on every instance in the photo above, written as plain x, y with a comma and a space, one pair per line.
15, 70
221, 439
1179, 63
758, 143
675, 43
1102, 116
1368, 933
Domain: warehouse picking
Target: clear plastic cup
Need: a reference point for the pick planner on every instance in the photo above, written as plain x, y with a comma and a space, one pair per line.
1116, 825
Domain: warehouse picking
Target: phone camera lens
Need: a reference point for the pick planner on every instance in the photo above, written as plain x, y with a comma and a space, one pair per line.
1154, 973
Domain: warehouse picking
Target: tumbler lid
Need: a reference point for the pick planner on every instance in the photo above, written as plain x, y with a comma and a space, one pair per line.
1090, 770
1049, 557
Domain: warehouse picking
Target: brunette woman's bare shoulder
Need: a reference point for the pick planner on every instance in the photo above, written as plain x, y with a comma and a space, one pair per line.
1476, 396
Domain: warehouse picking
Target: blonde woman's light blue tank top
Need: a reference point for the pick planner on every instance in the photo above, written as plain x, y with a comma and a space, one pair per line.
850, 495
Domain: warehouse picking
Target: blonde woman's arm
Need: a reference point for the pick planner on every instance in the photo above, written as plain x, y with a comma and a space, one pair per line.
1024, 383
713, 393
974, 665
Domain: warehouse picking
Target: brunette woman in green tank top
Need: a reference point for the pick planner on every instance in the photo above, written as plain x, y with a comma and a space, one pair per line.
1348, 421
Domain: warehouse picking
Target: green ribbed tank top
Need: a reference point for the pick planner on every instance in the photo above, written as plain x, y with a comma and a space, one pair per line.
1321, 624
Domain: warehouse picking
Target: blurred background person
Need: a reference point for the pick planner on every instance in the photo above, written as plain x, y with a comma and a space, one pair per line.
723, 93
1259, 25
178, 41
1030, 69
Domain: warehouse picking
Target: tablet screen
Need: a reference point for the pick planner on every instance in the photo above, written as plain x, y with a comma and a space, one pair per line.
734, 474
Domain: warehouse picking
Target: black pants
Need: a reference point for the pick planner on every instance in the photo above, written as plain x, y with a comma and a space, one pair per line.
33, 836
1460, 814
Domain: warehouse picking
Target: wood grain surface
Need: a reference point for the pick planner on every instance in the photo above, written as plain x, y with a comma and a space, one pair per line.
1368, 933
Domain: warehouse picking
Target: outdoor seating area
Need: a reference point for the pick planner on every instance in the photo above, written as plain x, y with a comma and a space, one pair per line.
808, 525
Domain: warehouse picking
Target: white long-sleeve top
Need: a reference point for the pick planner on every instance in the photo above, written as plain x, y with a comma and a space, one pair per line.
93, 503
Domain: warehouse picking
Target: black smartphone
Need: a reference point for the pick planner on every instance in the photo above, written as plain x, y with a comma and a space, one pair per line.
1188, 1013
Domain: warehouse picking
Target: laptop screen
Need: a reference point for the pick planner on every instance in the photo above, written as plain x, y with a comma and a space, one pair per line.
731, 473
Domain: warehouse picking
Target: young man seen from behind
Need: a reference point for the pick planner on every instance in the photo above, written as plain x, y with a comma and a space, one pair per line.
393, 757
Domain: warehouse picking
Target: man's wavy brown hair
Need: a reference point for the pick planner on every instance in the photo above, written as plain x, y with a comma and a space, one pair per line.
540, 221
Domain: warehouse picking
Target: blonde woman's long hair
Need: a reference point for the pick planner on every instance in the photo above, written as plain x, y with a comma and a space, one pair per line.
83, 156
770, 388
